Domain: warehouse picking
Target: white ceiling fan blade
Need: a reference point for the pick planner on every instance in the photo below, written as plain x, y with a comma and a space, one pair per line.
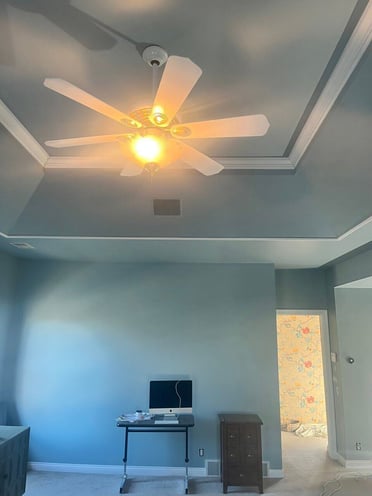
78, 95
199, 160
131, 169
179, 77
80, 163
87, 140
232, 127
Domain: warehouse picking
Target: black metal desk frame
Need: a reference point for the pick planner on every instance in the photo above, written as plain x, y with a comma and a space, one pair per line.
185, 422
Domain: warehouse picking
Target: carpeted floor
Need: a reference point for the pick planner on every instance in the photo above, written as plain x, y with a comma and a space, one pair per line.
307, 469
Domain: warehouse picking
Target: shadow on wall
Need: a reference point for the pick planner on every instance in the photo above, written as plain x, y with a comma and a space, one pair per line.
12, 347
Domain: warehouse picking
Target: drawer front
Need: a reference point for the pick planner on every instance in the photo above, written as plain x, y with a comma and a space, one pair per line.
233, 458
232, 435
248, 436
242, 476
249, 456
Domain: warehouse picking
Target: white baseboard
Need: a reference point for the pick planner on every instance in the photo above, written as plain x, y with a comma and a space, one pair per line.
334, 455
114, 469
131, 470
359, 465
271, 473
351, 464
275, 473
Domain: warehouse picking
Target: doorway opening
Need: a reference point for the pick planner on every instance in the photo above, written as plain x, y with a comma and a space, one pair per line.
305, 387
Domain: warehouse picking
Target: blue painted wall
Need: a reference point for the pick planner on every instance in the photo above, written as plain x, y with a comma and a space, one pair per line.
301, 289
94, 334
349, 323
353, 310
8, 267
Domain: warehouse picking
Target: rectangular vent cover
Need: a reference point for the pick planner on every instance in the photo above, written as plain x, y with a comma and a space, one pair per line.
212, 467
265, 469
167, 207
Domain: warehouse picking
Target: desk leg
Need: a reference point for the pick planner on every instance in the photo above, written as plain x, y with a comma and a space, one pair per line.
125, 476
187, 462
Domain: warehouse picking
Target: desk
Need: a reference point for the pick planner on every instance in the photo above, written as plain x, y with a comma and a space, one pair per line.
184, 423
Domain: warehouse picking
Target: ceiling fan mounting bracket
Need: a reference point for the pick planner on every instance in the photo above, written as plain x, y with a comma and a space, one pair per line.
154, 55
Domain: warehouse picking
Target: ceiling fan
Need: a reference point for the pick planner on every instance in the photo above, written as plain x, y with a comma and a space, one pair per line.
154, 137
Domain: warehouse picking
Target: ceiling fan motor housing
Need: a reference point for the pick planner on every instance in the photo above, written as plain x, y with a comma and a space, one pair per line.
154, 55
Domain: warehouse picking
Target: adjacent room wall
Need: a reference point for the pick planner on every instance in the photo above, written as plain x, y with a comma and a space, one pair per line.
301, 377
94, 334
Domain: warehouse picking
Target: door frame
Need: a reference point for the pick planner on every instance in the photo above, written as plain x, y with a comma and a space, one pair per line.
327, 372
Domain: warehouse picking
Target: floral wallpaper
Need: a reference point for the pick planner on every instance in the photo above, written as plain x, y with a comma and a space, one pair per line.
300, 369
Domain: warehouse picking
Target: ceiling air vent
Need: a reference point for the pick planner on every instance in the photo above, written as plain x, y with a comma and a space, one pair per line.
23, 246
167, 207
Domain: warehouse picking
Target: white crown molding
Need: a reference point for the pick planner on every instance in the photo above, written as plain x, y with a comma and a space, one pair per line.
21, 134
284, 253
84, 162
350, 57
353, 52
261, 163
365, 225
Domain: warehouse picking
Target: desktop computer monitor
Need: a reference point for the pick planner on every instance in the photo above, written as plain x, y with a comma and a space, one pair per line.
170, 397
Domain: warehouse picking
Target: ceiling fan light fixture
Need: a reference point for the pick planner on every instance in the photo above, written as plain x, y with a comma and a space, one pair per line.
152, 167
158, 116
159, 119
180, 131
147, 149
131, 123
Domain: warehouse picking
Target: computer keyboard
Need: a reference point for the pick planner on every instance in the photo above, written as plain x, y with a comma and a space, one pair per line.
165, 421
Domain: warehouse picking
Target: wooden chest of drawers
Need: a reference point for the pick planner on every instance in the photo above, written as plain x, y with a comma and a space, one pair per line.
241, 451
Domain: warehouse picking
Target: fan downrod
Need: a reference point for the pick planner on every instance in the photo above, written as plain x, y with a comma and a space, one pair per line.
154, 55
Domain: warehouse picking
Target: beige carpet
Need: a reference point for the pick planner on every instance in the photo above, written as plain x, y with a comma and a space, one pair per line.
307, 472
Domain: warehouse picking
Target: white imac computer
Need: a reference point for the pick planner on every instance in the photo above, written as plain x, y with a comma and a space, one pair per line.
170, 398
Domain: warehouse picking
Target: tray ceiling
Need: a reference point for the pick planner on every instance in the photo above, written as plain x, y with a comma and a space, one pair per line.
289, 60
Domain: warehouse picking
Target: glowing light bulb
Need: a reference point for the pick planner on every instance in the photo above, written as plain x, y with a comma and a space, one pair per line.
148, 149
158, 116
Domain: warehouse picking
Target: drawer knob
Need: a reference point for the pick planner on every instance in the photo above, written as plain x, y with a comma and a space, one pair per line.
250, 455
232, 436
241, 475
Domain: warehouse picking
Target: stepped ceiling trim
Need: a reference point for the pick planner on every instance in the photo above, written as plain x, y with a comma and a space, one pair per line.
366, 224
22, 135
283, 253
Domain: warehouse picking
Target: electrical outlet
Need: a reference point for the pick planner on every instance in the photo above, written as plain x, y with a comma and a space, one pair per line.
358, 446
201, 451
